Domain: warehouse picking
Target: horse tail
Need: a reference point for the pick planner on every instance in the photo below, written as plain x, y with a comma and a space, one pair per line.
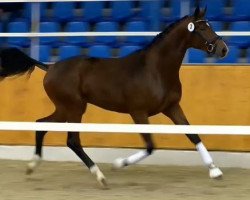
15, 62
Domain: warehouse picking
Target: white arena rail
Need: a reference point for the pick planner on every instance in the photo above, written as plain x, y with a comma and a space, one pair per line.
126, 128
39, 1
120, 33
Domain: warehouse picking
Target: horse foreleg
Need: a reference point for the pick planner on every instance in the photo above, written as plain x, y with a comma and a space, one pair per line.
176, 114
139, 118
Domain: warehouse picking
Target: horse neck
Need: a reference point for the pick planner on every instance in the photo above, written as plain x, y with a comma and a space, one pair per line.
171, 51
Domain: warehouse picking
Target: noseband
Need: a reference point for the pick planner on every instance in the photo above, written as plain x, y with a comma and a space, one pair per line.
210, 44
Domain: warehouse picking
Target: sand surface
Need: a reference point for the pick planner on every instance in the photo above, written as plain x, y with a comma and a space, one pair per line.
72, 181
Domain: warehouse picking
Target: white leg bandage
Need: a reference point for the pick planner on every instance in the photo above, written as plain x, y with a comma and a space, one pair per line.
34, 163
214, 172
207, 159
99, 175
135, 158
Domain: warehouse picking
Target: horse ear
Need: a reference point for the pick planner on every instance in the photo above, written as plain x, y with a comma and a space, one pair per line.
205, 10
197, 12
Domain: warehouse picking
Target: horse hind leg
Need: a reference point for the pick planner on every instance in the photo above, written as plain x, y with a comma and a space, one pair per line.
176, 114
139, 118
74, 143
37, 157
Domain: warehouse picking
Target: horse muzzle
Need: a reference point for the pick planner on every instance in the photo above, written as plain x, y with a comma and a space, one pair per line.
220, 49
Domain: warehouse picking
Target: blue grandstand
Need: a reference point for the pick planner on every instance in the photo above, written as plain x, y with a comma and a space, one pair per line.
113, 16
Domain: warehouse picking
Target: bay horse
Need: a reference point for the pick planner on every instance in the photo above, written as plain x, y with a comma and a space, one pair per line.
142, 84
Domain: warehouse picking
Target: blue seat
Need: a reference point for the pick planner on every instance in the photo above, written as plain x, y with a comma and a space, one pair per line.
240, 41
248, 55
63, 11
174, 11
126, 50
1, 30
121, 11
137, 26
100, 51
107, 27
92, 11
215, 9
217, 25
18, 27
77, 27
232, 57
240, 10
149, 11
44, 53
27, 10
68, 51
196, 56
46, 27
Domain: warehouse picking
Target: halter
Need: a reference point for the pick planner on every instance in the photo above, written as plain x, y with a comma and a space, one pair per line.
209, 44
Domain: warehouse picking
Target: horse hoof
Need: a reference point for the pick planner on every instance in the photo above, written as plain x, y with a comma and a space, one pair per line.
118, 163
103, 183
29, 171
215, 173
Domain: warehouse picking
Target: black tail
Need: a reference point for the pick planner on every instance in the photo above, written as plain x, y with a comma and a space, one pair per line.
15, 62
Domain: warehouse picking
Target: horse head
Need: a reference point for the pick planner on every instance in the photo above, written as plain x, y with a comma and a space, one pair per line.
203, 37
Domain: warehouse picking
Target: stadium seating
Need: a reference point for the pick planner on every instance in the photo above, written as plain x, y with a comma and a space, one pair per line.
49, 27
149, 13
126, 50
100, 51
121, 11
77, 26
63, 11
44, 53
1, 30
173, 12
217, 25
196, 56
18, 27
240, 10
248, 56
240, 41
224, 15
27, 10
68, 51
136, 26
215, 9
92, 11
106, 27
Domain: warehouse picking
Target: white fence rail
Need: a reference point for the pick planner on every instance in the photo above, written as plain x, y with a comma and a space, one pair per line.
40, 1
126, 128
120, 33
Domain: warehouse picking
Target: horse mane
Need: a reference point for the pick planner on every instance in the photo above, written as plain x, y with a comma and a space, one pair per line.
165, 32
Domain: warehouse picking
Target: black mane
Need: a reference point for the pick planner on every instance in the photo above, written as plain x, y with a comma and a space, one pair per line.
167, 30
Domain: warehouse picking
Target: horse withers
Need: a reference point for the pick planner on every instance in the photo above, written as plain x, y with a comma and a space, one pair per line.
142, 84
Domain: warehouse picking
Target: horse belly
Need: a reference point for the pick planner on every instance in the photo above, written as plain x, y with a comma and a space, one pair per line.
108, 99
